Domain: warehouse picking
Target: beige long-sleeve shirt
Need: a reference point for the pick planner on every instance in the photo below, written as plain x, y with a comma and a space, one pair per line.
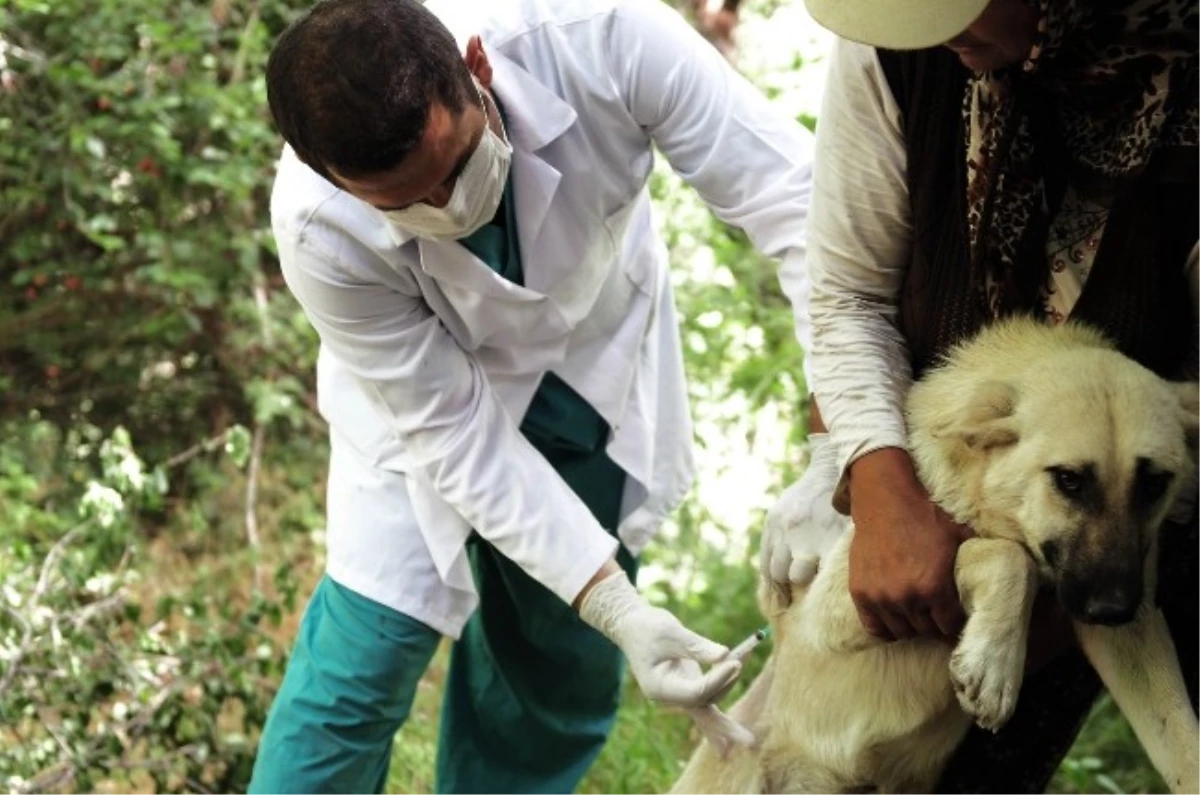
859, 365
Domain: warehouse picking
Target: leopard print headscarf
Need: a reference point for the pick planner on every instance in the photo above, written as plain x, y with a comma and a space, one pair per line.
1118, 80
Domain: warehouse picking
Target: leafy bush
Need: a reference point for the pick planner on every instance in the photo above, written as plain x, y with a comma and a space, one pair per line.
92, 690
143, 304
137, 161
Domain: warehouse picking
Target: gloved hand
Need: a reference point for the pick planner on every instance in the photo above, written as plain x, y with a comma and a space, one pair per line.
803, 525
664, 655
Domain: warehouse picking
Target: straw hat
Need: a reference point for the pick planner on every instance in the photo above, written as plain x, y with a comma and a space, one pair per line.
897, 24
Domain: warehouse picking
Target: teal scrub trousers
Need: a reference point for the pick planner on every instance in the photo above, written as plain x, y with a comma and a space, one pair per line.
531, 693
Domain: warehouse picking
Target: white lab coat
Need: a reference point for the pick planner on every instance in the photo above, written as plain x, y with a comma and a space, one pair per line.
429, 359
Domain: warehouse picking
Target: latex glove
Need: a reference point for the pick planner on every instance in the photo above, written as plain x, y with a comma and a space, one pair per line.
803, 525
723, 732
664, 655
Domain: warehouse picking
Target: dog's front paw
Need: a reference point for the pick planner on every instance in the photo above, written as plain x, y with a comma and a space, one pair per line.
987, 678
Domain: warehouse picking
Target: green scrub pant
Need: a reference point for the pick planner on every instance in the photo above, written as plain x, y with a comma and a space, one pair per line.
529, 700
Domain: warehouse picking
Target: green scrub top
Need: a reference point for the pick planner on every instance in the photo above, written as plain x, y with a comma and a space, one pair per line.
558, 418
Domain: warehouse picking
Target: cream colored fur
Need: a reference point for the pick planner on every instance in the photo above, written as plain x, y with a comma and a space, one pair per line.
836, 710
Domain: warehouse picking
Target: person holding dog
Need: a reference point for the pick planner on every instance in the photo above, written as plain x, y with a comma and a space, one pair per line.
978, 159
469, 232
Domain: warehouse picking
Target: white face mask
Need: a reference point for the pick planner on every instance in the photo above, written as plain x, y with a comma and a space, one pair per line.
476, 196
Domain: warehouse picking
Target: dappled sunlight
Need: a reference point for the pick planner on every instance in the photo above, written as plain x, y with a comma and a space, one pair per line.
743, 446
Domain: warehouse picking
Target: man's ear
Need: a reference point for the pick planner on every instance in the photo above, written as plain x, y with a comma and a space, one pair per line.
477, 61
986, 420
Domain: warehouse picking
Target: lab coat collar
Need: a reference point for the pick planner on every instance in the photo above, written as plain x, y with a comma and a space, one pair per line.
535, 118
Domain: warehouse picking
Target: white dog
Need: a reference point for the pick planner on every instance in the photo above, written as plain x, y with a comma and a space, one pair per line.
1064, 456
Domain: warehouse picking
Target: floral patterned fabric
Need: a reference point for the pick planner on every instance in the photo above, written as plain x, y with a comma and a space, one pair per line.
1111, 82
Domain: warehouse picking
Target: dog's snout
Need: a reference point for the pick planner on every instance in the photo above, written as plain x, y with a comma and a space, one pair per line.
1110, 601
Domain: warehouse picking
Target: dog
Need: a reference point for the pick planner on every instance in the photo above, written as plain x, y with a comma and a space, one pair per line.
1064, 456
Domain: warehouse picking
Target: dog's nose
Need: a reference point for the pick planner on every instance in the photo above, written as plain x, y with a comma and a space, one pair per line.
1111, 609
1107, 600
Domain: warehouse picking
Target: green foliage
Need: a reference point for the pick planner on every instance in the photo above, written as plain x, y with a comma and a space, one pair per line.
98, 685
135, 243
142, 306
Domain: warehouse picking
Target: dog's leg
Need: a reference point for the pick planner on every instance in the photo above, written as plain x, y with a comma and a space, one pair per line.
1138, 665
749, 709
739, 771
997, 583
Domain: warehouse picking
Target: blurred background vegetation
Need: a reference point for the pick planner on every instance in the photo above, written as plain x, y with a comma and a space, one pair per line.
161, 460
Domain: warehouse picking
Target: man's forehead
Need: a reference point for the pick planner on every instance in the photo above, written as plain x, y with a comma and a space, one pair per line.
441, 145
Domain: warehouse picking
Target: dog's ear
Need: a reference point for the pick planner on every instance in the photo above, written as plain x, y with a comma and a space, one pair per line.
1188, 393
987, 420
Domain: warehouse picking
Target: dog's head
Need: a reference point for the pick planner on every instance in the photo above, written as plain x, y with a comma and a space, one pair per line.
1079, 456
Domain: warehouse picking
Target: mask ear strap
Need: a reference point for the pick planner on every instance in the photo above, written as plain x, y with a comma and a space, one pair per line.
479, 93
483, 99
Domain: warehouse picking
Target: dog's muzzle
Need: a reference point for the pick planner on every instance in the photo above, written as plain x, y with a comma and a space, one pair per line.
1108, 597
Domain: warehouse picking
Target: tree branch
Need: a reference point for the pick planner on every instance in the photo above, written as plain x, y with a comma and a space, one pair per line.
39, 590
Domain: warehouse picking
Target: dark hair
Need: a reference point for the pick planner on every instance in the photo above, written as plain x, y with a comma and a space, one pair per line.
350, 83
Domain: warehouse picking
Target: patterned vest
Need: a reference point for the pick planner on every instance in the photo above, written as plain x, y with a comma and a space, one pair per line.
1136, 293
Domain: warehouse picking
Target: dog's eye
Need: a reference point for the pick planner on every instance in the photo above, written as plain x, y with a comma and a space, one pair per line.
1078, 483
1149, 486
1068, 481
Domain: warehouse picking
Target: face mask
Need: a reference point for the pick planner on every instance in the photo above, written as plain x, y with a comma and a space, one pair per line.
476, 196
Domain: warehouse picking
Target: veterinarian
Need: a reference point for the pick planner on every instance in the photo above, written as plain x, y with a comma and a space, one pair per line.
462, 211
977, 159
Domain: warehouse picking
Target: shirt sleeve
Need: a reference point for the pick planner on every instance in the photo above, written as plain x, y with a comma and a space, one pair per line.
437, 402
750, 163
859, 245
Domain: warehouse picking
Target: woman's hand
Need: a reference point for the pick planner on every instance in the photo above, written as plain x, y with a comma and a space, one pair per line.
903, 551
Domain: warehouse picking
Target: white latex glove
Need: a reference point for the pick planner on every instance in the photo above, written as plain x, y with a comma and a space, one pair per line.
803, 525
664, 655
